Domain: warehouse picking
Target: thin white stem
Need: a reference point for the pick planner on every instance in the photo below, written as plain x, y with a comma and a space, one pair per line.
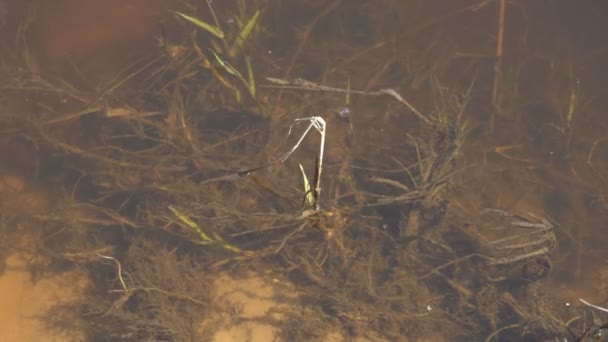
122, 282
319, 124
297, 144
593, 306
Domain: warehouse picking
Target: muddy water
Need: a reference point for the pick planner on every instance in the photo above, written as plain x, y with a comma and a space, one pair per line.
98, 37
535, 159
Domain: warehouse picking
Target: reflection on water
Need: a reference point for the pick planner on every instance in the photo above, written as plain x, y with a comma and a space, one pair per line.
538, 150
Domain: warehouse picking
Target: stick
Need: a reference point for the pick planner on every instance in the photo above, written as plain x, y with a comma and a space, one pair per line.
498, 62
593, 306
303, 84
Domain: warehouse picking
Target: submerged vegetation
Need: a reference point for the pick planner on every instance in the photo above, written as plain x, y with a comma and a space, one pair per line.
168, 177
230, 46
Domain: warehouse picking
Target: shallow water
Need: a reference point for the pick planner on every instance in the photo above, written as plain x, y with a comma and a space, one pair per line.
540, 148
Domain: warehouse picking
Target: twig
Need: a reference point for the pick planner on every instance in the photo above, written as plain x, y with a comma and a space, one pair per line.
303, 84
498, 62
593, 306
595, 143
119, 271
511, 260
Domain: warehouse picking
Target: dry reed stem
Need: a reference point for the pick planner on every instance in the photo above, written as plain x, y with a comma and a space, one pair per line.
498, 62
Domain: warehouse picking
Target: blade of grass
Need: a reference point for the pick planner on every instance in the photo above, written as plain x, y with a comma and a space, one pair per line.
572, 104
237, 45
214, 30
205, 239
232, 71
250, 78
225, 244
191, 224
309, 200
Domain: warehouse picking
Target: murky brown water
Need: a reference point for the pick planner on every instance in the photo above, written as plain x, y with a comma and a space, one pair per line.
541, 147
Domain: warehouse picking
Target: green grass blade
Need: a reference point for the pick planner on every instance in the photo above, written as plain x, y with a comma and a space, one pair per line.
232, 71
225, 65
237, 94
250, 78
309, 198
237, 45
214, 30
191, 224
225, 244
